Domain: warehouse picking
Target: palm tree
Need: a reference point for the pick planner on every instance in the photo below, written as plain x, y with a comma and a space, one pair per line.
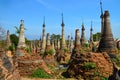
18, 30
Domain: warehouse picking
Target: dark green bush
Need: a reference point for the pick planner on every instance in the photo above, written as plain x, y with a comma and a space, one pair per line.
49, 52
89, 65
28, 50
11, 47
39, 73
103, 78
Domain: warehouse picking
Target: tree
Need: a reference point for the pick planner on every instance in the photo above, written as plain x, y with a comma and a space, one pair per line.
14, 39
55, 37
18, 30
97, 36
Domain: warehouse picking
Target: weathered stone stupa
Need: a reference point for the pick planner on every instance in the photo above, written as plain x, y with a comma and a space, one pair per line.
71, 44
68, 44
82, 40
58, 44
53, 47
77, 45
63, 44
8, 41
107, 43
21, 42
48, 45
77, 39
43, 45
91, 37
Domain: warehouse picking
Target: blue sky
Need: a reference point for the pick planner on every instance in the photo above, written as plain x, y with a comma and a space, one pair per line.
74, 11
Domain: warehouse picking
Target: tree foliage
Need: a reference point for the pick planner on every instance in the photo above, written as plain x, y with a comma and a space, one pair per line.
17, 30
55, 37
97, 36
14, 39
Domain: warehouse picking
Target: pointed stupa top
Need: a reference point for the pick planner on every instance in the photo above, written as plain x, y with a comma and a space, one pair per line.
91, 29
83, 28
22, 22
101, 9
62, 21
44, 21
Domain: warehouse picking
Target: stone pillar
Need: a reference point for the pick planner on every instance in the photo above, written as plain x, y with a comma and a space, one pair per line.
71, 44
77, 45
63, 45
58, 44
48, 45
77, 39
55, 42
82, 40
91, 37
107, 43
39, 46
21, 42
43, 45
68, 45
53, 47
8, 41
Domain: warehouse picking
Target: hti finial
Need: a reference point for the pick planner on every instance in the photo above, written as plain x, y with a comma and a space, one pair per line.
91, 27
44, 21
82, 22
22, 21
62, 20
101, 7
83, 25
62, 17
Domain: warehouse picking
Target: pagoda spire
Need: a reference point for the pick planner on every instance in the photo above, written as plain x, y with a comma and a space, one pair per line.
82, 40
62, 21
102, 18
43, 45
44, 21
101, 8
91, 36
91, 29
63, 45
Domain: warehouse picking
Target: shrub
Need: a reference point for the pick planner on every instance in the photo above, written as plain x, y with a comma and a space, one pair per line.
11, 48
96, 73
103, 78
39, 73
28, 50
66, 50
49, 52
89, 65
